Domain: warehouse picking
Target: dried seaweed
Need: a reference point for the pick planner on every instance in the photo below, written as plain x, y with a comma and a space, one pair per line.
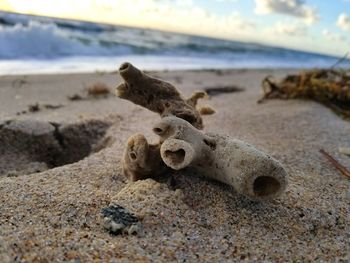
330, 87
98, 89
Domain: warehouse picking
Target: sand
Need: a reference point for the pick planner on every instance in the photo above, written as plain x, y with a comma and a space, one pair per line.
59, 167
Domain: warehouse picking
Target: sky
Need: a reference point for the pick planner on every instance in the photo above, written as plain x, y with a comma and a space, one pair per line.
313, 25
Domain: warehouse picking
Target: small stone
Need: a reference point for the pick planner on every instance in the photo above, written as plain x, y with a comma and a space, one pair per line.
118, 220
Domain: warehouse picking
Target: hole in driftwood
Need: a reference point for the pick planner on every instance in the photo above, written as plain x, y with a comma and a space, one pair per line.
266, 185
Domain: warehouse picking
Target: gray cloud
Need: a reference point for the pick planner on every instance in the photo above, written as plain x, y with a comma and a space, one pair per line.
296, 8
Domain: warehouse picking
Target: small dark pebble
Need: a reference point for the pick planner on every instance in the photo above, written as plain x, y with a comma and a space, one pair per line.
34, 107
119, 220
52, 107
119, 214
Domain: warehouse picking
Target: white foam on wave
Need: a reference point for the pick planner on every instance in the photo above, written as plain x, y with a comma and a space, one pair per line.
38, 40
47, 45
145, 62
93, 64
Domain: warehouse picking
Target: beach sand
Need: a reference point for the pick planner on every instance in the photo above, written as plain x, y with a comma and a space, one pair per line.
60, 165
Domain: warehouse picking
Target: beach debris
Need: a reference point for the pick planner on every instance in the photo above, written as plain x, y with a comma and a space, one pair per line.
142, 160
52, 106
157, 95
38, 107
181, 143
94, 91
98, 89
342, 169
248, 170
344, 150
75, 97
34, 107
206, 110
327, 86
214, 91
118, 220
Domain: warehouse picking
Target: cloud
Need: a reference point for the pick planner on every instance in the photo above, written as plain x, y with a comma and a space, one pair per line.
184, 2
200, 21
296, 8
334, 37
231, 1
344, 21
289, 29
175, 15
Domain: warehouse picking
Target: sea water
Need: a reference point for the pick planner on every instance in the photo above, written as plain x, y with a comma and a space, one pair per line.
32, 44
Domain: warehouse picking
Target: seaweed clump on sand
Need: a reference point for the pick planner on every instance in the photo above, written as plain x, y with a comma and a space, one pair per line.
330, 87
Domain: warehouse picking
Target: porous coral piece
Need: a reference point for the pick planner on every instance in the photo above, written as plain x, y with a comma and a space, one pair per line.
141, 160
157, 95
250, 171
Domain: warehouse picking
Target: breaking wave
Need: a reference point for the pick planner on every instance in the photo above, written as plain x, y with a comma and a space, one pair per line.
24, 37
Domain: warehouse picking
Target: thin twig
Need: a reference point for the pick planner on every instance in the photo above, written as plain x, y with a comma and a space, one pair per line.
341, 60
336, 164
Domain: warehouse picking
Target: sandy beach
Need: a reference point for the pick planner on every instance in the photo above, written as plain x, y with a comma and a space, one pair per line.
60, 153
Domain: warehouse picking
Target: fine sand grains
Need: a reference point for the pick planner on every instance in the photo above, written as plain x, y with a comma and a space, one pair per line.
54, 215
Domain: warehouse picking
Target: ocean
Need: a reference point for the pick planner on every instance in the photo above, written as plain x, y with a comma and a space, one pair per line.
32, 44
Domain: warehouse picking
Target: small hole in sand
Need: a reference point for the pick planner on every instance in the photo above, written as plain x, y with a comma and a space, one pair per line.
266, 185
31, 146
177, 156
133, 156
124, 66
